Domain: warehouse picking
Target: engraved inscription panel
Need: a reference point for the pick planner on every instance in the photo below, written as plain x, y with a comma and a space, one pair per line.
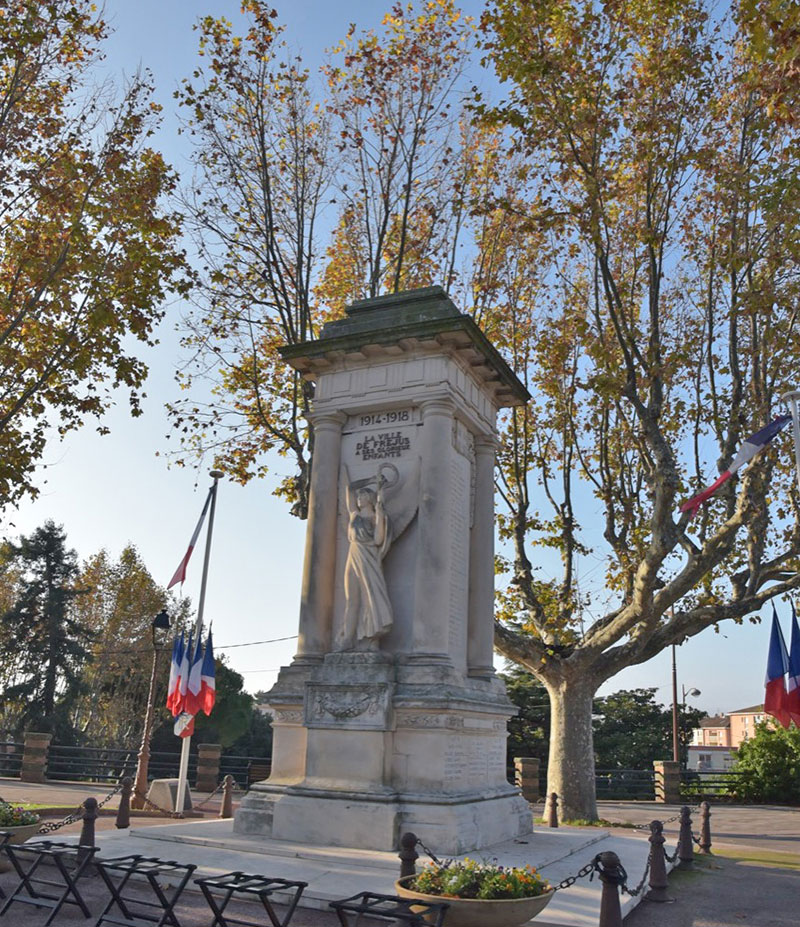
474, 761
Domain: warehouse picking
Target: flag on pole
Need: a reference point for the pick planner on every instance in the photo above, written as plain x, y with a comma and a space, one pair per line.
193, 686
174, 670
180, 574
793, 681
184, 725
777, 666
179, 702
208, 690
746, 452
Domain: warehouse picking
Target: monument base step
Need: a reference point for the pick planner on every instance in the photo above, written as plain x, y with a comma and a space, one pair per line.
450, 825
337, 872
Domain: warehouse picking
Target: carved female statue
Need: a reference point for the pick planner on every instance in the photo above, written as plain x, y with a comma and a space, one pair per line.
368, 611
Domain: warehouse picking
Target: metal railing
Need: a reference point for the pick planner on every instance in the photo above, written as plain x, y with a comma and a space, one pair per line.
625, 784
107, 764
10, 757
239, 768
719, 784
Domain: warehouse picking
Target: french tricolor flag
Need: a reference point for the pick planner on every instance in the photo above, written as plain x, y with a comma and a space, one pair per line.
775, 698
747, 451
191, 704
180, 573
208, 692
793, 681
179, 702
175, 673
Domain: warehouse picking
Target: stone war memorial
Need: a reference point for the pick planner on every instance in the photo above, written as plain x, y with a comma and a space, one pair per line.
390, 717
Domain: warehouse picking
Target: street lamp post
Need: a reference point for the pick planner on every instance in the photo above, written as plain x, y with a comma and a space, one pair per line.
690, 691
160, 622
676, 752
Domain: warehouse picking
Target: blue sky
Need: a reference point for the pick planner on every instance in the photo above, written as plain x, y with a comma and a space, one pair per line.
110, 490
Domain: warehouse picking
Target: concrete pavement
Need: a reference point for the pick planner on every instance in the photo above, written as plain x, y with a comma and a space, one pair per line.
751, 878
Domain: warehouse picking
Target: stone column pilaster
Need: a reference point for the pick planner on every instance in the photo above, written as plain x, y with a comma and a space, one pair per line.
526, 777
34, 757
208, 756
432, 594
316, 602
668, 781
480, 626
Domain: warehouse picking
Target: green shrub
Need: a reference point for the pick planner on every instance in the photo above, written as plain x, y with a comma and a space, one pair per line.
769, 766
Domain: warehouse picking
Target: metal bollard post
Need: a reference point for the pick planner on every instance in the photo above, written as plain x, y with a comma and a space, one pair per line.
552, 810
612, 875
226, 811
685, 847
124, 810
658, 865
90, 815
705, 827
408, 854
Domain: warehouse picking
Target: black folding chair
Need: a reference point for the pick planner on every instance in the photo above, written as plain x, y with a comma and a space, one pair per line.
389, 908
148, 870
240, 883
69, 860
5, 836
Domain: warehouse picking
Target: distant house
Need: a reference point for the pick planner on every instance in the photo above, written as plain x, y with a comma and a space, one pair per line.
715, 741
714, 731
743, 723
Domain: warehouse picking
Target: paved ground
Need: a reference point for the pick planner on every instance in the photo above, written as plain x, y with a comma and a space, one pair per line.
770, 827
724, 892
753, 877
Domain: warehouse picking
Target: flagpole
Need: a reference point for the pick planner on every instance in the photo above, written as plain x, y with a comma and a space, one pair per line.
198, 630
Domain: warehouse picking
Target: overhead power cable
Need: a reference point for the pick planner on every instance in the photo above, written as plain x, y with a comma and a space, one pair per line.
217, 647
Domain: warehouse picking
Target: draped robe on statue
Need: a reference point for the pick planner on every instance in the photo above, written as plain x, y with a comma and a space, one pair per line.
364, 583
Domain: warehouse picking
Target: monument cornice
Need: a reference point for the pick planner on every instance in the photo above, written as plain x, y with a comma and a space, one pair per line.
419, 320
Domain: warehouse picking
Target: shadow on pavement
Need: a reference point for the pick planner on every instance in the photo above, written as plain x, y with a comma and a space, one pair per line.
722, 892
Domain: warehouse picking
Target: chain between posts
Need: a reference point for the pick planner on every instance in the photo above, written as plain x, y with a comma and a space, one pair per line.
588, 870
115, 791
49, 826
77, 815
152, 804
633, 892
430, 853
671, 859
178, 814
205, 801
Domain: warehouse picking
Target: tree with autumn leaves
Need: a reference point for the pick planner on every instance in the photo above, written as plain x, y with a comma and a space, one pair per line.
667, 334
278, 164
88, 249
624, 227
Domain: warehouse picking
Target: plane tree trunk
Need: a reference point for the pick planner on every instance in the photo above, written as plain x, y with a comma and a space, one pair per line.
570, 769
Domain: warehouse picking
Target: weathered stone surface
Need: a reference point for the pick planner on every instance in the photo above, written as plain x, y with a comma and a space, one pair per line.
164, 792
390, 718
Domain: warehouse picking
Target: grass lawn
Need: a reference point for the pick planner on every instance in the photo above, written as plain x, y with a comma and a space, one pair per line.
40, 806
760, 857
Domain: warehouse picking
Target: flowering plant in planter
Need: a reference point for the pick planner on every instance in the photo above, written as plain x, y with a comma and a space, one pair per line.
15, 816
487, 881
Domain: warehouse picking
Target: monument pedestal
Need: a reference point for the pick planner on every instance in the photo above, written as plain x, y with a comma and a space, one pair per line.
390, 718
385, 755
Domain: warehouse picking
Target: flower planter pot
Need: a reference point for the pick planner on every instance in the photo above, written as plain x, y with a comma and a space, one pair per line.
477, 912
19, 834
